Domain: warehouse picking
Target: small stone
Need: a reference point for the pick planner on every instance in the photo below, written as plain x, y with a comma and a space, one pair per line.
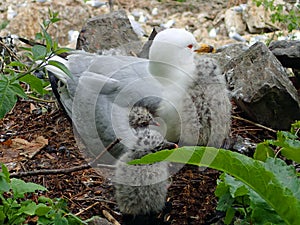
234, 19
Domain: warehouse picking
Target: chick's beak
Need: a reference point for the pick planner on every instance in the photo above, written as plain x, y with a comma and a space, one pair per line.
154, 123
169, 145
204, 48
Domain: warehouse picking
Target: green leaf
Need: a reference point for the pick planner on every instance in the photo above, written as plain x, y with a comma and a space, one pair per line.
289, 143
261, 212
48, 40
8, 94
59, 220
17, 89
255, 174
4, 179
17, 64
285, 175
39, 52
2, 215
237, 188
62, 50
292, 150
229, 216
42, 209
28, 209
43, 199
60, 66
20, 187
38, 36
54, 20
263, 151
34, 83
5, 172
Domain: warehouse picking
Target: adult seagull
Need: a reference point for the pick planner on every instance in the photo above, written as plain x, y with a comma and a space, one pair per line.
103, 89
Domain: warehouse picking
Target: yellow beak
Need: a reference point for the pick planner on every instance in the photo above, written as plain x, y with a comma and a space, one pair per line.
204, 48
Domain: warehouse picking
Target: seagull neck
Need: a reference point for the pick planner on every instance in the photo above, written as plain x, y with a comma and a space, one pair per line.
170, 75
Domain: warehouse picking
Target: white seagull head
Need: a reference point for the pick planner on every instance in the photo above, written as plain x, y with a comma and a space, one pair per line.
172, 56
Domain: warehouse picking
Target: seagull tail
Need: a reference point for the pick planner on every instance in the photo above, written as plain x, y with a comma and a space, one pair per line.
58, 73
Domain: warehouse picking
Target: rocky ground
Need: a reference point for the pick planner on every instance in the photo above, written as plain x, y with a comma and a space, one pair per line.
43, 137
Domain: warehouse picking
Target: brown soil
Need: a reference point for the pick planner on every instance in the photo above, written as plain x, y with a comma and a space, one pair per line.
88, 193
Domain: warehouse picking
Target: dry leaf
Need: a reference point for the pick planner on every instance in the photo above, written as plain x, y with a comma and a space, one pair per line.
29, 149
32, 107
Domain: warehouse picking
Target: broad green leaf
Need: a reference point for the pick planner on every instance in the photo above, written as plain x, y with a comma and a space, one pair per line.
263, 151
17, 64
44, 199
229, 215
262, 213
28, 208
42, 209
289, 143
292, 151
20, 187
60, 66
4, 185
8, 94
17, 89
236, 187
60, 220
4, 179
251, 172
34, 83
285, 175
39, 52
5, 172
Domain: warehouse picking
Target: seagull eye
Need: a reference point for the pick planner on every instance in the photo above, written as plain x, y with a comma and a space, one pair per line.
190, 46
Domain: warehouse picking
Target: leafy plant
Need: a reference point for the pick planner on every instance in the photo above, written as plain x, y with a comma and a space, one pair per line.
15, 72
16, 208
287, 144
258, 187
291, 19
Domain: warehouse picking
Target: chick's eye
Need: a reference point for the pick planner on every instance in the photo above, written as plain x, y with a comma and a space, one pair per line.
190, 46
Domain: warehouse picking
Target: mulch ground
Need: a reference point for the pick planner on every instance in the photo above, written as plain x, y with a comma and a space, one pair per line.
45, 140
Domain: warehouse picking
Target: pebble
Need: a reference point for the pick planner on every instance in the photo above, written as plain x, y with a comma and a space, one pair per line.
11, 13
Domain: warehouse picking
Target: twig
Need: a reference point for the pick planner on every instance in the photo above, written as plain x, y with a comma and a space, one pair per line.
109, 217
253, 123
110, 146
11, 53
97, 199
41, 100
87, 208
71, 169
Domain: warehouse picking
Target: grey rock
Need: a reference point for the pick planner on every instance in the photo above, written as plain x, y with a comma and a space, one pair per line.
228, 52
261, 88
287, 52
109, 31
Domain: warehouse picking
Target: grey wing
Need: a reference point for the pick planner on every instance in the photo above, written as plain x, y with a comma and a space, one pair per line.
102, 90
